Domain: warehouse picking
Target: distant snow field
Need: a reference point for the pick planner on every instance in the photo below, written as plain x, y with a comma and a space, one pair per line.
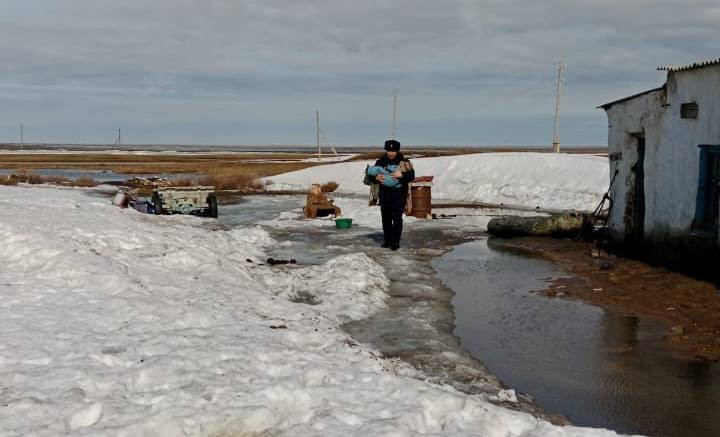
520, 179
120, 323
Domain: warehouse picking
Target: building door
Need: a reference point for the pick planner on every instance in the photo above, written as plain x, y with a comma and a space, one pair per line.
708, 198
635, 208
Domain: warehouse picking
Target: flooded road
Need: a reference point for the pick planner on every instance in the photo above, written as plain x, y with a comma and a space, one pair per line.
417, 325
464, 310
596, 367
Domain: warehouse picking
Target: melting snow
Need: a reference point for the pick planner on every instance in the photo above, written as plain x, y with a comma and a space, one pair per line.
546, 180
119, 323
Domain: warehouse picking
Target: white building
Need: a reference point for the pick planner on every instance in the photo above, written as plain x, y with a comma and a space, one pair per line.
664, 148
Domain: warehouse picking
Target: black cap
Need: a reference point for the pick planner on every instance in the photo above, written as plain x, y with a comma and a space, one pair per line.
392, 146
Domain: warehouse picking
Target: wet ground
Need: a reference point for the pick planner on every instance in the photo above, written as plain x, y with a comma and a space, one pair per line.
418, 324
689, 307
463, 309
597, 367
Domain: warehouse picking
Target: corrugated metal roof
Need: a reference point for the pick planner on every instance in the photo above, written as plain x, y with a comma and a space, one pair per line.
606, 106
693, 66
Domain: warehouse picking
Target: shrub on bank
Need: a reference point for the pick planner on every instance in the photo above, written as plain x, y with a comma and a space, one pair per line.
28, 177
231, 180
85, 182
7, 180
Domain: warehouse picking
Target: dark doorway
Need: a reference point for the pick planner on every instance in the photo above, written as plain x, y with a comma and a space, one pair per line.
708, 198
635, 205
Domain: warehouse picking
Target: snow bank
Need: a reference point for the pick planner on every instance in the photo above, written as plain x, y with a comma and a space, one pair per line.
545, 180
118, 323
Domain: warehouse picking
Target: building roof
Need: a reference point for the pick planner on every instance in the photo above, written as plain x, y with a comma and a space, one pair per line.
607, 106
693, 66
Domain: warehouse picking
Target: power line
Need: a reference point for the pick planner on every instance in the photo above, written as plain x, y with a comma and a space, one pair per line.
317, 133
558, 92
394, 116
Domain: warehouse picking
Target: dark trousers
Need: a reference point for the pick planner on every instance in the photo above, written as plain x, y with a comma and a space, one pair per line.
392, 223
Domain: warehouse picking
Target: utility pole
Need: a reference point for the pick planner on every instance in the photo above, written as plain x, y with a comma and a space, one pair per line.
558, 93
22, 140
394, 116
317, 132
118, 140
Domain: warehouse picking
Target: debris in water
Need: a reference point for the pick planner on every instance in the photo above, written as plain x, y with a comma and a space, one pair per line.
507, 396
276, 262
443, 216
305, 297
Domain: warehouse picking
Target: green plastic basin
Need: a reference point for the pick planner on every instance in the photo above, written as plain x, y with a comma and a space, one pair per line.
343, 223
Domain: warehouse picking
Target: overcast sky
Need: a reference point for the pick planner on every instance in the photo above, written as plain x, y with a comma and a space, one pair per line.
253, 72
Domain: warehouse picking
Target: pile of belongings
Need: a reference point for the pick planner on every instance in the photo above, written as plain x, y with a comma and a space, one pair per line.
127, 198
138, 181
318, 205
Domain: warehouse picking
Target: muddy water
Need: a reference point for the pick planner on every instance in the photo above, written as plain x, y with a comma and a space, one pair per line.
596, 367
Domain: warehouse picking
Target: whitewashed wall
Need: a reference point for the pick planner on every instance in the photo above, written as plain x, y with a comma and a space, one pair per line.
671, 150
627, 120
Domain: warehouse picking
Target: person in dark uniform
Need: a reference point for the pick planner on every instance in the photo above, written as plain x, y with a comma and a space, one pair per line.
392, 198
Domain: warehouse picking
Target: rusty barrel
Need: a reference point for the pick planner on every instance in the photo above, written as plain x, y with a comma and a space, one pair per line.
421, 195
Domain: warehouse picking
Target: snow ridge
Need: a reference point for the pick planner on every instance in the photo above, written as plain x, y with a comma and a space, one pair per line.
546, 180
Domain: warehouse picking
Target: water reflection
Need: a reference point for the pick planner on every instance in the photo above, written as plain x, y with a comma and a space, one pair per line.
596, 367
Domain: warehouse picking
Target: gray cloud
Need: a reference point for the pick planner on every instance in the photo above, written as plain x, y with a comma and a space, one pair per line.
253, 71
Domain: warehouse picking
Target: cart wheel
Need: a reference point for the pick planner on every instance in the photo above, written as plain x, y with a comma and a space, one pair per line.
212, 210
157, 204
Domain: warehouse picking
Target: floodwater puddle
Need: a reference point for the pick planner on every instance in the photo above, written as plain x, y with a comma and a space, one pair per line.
417, 325
467, 312
595, 367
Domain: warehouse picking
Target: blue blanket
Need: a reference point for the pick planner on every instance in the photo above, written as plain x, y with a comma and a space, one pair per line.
389, 180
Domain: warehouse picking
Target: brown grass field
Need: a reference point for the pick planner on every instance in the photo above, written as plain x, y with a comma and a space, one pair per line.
226, 171
255, 164
229, 171
261, 163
